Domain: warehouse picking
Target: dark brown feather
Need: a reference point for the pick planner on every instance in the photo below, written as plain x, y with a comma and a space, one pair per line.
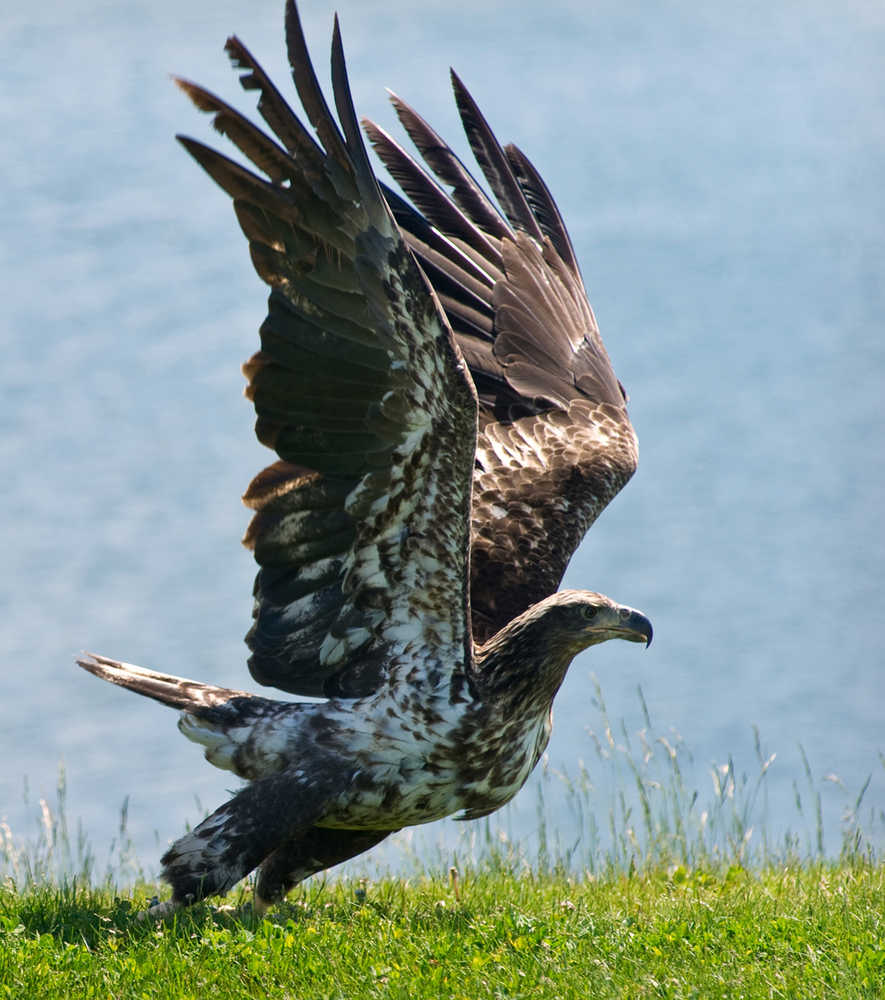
271, 105
430, 199
466, 192
543, 206
494, 163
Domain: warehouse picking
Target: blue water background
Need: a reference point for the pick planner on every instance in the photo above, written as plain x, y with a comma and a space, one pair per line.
721, 168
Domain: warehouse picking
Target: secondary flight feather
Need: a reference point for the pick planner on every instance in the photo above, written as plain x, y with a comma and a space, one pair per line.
447, 425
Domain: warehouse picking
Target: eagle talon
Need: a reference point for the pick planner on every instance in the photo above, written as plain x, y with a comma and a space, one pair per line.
159, 911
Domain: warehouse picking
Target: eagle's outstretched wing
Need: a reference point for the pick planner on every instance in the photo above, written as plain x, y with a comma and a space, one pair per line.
361, 529
555, 442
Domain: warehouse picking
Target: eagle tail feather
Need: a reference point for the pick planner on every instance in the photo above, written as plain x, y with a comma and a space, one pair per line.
176, 692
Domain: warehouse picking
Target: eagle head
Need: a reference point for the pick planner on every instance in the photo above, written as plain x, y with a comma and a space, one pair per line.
577, 619
529, 657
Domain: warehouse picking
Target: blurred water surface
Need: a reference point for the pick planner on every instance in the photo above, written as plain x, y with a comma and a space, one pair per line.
721, 169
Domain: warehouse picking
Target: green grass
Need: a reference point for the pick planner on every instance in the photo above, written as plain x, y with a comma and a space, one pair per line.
803, 932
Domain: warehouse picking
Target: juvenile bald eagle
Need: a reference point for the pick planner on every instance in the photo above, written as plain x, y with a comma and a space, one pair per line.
447, 425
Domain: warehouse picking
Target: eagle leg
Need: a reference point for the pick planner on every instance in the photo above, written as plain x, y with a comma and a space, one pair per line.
311, 852
236, 838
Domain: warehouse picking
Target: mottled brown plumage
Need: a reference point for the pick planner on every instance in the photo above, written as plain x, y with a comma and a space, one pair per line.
447, 425
555, 443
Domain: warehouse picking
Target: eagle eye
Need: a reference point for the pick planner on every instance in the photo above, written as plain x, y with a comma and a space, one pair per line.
588, 611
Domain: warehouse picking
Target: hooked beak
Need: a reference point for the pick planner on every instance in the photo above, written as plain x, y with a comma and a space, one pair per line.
634, 626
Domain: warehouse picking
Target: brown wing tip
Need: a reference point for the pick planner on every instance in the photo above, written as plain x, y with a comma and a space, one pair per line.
278, 478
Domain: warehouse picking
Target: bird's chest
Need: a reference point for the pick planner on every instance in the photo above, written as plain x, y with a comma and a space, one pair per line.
408, 759
498, 759
419, 761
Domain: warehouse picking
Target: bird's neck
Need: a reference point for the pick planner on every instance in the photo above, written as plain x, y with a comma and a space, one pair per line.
521, 666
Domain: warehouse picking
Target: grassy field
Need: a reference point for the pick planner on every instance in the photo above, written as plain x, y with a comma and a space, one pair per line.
803, 932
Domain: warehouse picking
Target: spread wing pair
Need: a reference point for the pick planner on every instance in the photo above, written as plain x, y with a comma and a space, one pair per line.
412, 501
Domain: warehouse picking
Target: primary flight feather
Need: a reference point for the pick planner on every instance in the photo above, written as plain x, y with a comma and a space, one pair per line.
447, 425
